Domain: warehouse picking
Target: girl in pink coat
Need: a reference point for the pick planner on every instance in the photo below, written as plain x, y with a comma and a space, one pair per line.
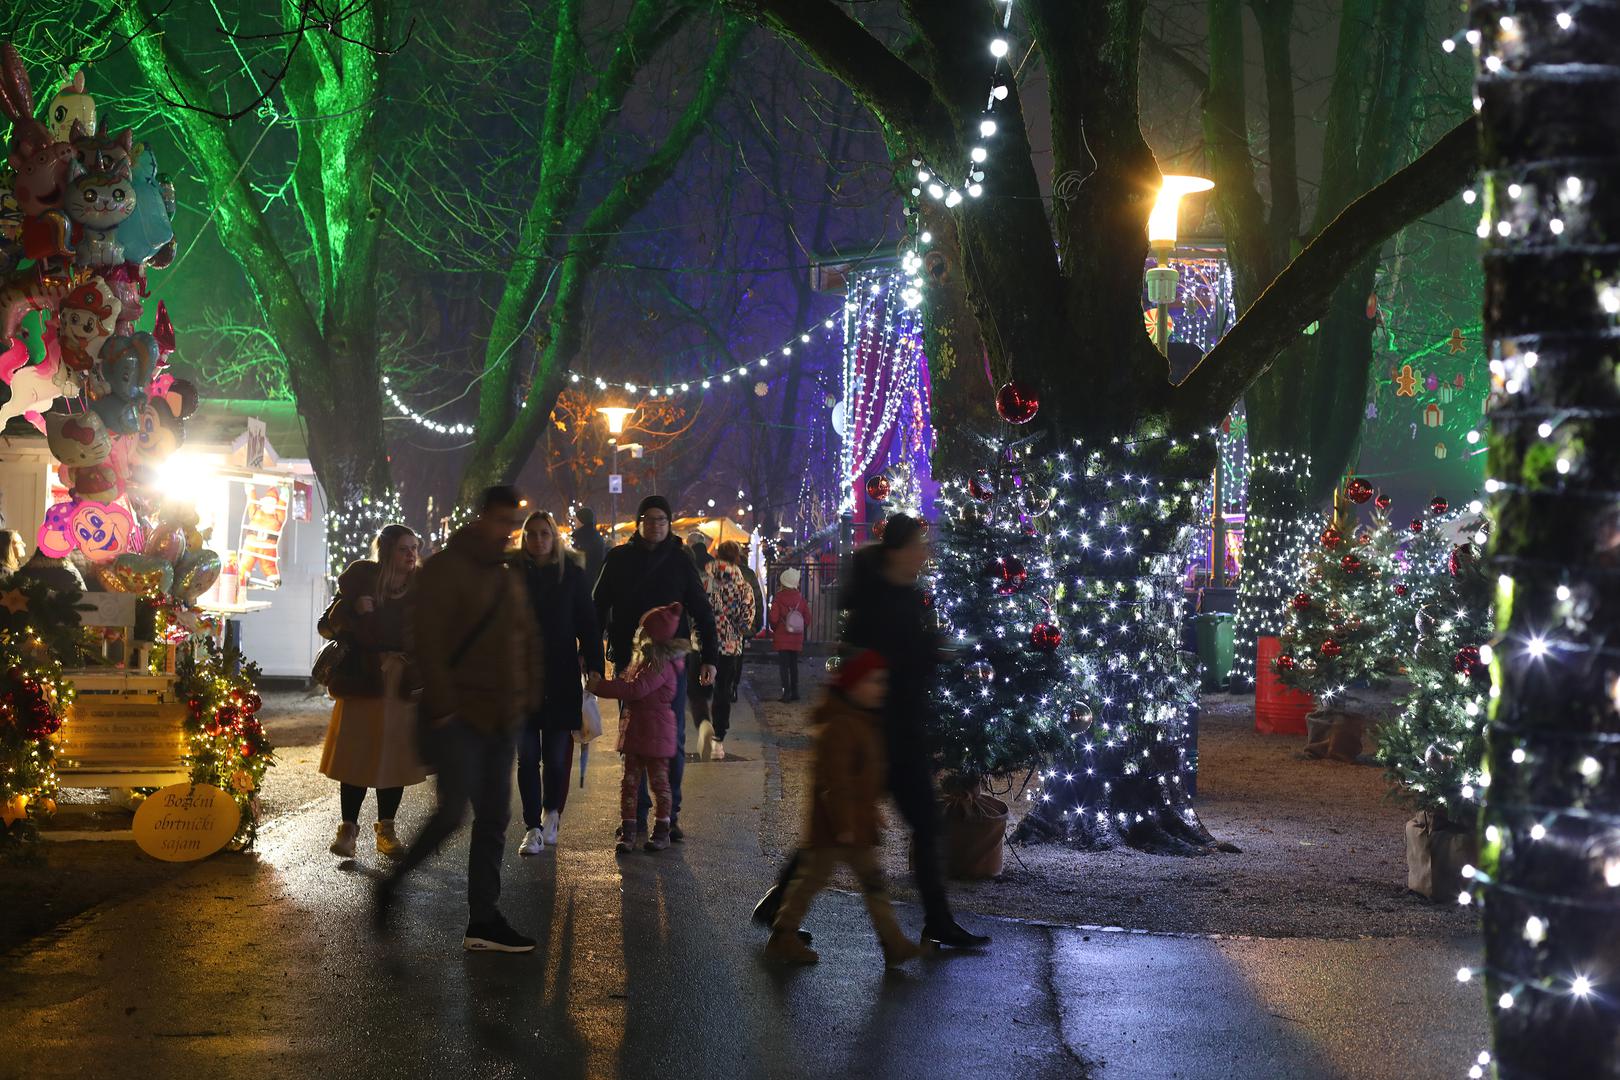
789, 621
647, 731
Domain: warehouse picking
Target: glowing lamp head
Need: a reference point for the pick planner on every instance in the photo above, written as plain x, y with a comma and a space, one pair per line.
1167, 207
616, 416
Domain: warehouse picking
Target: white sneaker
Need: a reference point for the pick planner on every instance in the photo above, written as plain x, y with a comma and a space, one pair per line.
719, 750
552, 821
705, 741
343, 846
532, 844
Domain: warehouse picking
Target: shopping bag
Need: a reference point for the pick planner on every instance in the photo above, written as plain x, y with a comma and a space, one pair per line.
590, 720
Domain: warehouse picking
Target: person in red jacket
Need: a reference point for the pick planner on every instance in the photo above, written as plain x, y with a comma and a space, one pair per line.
789, 621
648, 729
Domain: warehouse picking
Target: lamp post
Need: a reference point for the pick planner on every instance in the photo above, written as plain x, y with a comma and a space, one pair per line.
1163, 278
616, 416
1162, 282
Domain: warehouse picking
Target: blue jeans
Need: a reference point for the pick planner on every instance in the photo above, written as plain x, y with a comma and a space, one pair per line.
677, 764
473, 767
545, 759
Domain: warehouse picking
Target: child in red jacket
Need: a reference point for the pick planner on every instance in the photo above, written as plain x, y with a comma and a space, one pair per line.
647, 732
789, 621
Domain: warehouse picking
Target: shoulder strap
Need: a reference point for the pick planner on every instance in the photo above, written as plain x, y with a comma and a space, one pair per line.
483, 624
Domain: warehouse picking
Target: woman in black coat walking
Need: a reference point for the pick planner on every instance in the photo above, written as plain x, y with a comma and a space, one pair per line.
573, 645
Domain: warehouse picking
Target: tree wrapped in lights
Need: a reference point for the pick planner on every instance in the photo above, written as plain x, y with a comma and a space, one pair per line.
1273, 552
1435, 748
1339, 624
1549, 94
1123, 520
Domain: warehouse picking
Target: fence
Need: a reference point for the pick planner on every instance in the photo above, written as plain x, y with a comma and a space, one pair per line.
818, 581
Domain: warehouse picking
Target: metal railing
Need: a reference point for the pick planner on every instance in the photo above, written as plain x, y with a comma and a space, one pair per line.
818, 581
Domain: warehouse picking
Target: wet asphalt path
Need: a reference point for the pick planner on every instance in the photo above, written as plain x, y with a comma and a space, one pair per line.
264, 966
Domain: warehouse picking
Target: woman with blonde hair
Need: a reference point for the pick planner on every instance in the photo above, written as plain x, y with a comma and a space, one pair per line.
371, 737
561, 597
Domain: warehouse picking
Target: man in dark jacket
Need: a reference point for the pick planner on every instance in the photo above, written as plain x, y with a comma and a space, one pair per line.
647, 571
587, 540
474, 641
698, 697
886, 613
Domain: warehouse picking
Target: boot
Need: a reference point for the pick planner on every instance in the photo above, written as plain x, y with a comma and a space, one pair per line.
955, 937
785, 947
388, 844
659, 840
343, 847
705, 741
627, 838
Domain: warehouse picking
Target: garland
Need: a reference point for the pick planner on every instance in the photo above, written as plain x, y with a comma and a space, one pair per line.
38, 626
226, 744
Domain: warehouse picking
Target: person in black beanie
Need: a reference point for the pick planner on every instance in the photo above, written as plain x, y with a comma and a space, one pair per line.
587, 540
650, 570
885, 612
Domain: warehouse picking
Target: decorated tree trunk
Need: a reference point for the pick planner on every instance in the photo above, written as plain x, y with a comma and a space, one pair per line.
1550, 872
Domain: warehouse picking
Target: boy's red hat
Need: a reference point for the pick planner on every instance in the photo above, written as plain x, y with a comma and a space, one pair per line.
855, 668
662, 622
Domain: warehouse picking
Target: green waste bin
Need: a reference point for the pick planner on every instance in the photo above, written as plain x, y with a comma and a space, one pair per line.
1214, 633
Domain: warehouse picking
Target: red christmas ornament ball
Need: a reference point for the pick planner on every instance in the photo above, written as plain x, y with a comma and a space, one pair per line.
1302, 602
1017, 403
1363, 539
1400, 588
1008, 573
1438, 505
1045, 637
1460, 560
1416, 526
1358, 490
1331, 538
1466, 660
1331, 648
981, 487
878, 488
1351, 564
879, 527
254, 702
1286, 661
1383, 502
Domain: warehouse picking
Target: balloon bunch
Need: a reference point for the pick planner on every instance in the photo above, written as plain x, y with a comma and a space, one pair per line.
83, 215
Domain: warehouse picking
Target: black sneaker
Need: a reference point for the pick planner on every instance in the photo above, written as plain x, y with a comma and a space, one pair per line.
495, 936
955, 937
676, 835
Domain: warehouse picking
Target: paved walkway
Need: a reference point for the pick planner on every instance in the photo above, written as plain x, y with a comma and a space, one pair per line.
263, 967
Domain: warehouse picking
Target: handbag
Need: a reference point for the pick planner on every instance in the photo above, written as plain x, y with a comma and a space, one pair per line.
332, 654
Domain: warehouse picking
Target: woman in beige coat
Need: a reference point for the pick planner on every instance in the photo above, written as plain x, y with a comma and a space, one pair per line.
371, 738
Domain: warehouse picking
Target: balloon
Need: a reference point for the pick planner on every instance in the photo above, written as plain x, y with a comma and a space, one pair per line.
33, 386
98, 203
102, 532
144, 575
195, 574
839, 414
55, 537
43, 163
71, 105
166, 542
148, 229
79, 440
127, 366
84, 321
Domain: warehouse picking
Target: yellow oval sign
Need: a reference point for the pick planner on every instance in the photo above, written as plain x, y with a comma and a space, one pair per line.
183, 822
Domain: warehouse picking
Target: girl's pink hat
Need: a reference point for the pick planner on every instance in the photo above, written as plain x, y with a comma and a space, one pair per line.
661, 622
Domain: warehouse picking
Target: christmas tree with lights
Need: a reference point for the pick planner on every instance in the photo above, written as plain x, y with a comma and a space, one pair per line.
1339, 626
1434, 749
1059, 583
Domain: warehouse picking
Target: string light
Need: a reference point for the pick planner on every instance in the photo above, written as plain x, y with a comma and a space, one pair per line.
1274, 552
420, 420
351, 529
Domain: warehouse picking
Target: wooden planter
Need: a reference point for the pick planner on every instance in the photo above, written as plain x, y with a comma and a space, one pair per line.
1337, 732
975, 834
1437, 849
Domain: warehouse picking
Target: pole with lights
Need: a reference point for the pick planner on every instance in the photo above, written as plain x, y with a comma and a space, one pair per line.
616, 417
1548, 94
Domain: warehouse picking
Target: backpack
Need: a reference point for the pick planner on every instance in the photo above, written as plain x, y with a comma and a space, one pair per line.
793, 623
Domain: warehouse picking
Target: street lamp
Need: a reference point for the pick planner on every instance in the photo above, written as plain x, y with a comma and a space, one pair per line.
1163, 278
616, 416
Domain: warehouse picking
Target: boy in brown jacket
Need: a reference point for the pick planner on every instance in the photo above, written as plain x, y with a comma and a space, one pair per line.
844, 822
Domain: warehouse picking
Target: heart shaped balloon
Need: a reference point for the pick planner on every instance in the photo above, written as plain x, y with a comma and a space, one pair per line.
144, 575
195, 574
102, 531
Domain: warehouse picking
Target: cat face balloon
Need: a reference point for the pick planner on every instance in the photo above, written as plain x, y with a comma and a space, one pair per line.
101, 201
77, 441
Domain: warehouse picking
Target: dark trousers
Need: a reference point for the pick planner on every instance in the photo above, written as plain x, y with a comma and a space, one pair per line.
911, 785
473, 767
677, 764
728, 673
789, 664
545, 760
351, 797
698, 694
